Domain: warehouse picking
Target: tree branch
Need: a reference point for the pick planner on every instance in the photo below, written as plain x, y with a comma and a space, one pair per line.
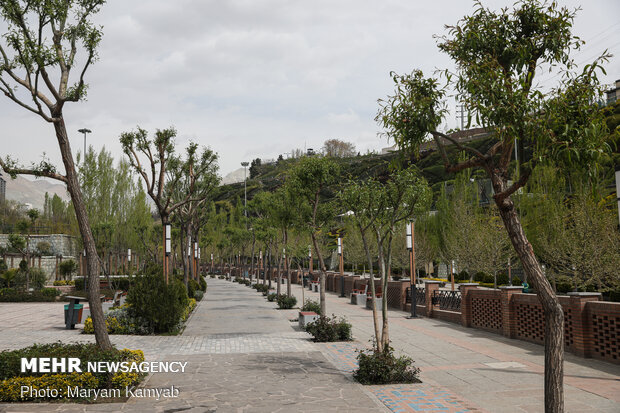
22, 171
500, 197
456, 143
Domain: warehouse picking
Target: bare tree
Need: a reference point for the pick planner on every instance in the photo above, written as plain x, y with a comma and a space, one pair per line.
336, 148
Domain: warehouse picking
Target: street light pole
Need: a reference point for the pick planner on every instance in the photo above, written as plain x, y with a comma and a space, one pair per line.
341, 266
245, 192
412, 269
84, 131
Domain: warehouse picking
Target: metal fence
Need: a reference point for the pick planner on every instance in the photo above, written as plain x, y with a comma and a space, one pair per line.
420, 296
447, 300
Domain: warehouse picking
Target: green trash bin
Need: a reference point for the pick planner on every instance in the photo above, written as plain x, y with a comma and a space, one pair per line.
76, 317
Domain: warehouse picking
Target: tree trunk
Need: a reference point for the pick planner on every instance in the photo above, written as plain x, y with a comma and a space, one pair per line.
252, 259
73, 186
554, 315
287, 267
375, 315
322, 270
384, 338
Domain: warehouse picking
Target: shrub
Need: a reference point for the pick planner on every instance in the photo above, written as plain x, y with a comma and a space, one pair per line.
64, 282
384, 367
516, 280
192, 287
271, 297
191, 305
286, 302
203, 284
121, 321
67, 268
9, 277
37, 278
262, 288
14, 296
44, 248
311, 305
502, 278
326, 329
12, 378
160, 304
212, 276
198, 295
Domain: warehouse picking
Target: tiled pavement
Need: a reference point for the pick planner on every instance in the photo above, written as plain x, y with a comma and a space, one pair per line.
245, 356
400, 398
483, 370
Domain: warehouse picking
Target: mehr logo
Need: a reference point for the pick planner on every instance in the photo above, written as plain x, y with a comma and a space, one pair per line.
51, 365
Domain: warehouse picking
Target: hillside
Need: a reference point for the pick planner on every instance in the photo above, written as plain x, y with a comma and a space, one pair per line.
24, 190
270, 176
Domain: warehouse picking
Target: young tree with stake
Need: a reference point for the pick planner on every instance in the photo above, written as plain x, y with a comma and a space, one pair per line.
497, 56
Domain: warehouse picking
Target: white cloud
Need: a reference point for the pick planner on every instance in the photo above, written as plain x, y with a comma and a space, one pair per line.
257, 78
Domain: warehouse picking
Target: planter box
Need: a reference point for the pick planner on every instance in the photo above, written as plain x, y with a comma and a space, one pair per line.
379, 303
306, 317
359, 299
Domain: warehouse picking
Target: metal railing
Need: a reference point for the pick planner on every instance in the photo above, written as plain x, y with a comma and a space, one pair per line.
447, 300
420, 296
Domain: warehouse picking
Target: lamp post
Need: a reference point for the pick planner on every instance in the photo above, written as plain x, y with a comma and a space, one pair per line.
167, 248
260, 266
452, 271
412, 286
196, 260
341, 266
245, 192
84, 131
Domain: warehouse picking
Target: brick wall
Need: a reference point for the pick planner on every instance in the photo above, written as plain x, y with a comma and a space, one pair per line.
486, 310
605, 330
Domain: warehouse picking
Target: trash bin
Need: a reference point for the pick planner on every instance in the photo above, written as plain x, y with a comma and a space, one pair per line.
76, 317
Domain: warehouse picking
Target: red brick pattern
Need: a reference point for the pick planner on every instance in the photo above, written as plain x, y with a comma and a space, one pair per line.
486, 313
606, 329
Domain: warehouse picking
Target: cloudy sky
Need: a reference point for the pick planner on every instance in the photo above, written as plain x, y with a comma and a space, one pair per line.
258, 78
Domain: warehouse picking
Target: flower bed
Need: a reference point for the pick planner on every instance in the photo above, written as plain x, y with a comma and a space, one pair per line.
57, 386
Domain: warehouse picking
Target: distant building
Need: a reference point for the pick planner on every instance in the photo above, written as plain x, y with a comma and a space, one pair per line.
613, 94
2, 189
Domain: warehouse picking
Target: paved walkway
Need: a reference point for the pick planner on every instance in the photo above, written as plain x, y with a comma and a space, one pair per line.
486, 370
246, 356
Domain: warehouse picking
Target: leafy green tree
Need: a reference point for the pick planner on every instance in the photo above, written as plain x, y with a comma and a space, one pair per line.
379, 208
574, 235
498, 56
38, 55
308, 180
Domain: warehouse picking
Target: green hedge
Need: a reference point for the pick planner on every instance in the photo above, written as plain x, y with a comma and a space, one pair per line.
160, 304
15, 296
